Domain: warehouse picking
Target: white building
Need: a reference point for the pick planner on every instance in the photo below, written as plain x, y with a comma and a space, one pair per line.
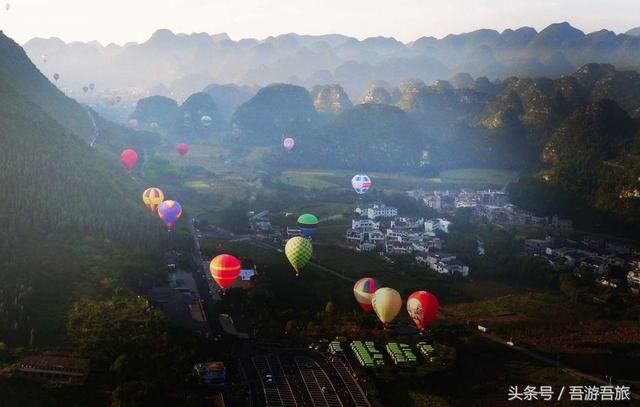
439, 224
364, 224
381, 211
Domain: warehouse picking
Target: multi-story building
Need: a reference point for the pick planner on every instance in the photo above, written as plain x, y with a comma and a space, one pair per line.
381, 211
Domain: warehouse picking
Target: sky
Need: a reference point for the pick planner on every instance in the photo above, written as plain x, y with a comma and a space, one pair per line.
122, 21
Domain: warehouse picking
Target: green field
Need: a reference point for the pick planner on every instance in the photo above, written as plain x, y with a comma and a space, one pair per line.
341, 179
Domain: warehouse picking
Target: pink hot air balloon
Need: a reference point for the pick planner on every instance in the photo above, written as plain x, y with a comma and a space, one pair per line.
182, 149
289, 143
133, 124
129, 158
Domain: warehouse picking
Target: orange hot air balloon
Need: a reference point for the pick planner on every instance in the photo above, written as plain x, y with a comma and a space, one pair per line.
422, 307
129, 159
225, 269
182, 149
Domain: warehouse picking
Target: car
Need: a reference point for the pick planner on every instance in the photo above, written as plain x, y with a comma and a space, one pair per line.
268, 380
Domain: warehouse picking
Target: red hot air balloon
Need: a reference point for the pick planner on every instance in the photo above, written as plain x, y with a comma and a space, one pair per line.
182, 149
422, 307
129, 158
56, 76
225, 269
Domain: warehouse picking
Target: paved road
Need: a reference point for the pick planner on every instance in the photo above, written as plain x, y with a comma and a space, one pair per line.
300, 378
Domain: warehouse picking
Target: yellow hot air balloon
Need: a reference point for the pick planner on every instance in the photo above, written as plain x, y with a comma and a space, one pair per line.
386, 303
299, 252
153, 197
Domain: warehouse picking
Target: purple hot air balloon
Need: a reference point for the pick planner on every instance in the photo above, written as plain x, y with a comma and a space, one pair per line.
170, 212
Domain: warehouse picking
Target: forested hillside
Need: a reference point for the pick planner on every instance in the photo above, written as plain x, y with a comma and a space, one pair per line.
72, 223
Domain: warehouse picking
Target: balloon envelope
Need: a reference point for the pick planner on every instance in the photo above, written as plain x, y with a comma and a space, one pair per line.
56, 76
422, 307
361, 183
363, 290
206, 121
153, 197
129, 158
307, 224
289, 143
386, 302
225, 269
132, 124
182, 149
299, 251
170, 212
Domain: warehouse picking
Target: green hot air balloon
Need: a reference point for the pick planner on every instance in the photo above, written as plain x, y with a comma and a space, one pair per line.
307, 224
299, 251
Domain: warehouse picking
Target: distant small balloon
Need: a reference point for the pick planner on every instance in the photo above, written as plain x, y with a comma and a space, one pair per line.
182, 149
206, 121
7, 6
361, 183
129, 159
133, 124
56, 76
154, 126
44, 58
85, 89
92, 87
289, 143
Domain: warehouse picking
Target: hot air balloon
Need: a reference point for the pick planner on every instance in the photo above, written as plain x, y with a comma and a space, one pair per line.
361, 183
7, 6
225, 269
118, 99
422, 307
56, 76
307, 224
169, 212
44, 58
85, 89
289, 143
299, 252
132, 124
152, 197
386, 302
92, 87
363, 290
129, 158
206, 121
154, 126
182, 149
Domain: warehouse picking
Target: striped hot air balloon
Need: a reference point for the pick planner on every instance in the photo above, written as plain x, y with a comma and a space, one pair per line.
152, 197
307, 224
225, 269
299, 251
363, 290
